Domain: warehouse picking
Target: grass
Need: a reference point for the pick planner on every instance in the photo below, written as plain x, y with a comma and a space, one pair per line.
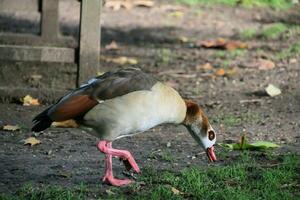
291, 51
271, 31
249, 176
278, 4
248, 33
230, 120
228, 56
164, 55
274, 31
164, 155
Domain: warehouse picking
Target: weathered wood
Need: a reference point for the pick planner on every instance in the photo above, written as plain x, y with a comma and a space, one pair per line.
35, 40
49, 21
19, 5
89, 47
42, 54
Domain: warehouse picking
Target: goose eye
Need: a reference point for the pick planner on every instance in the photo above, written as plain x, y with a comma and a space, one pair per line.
211, 135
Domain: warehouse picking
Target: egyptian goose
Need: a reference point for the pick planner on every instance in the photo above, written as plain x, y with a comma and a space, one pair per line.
122, 103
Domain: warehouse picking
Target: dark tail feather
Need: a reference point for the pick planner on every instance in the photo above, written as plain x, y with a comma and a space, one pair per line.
41, 121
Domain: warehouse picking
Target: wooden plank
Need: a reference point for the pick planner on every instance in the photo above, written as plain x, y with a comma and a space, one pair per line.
35, 40
49, 20
89, 41
19, 5
42, 54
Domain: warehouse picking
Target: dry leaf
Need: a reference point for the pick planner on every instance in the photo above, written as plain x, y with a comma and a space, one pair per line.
183, 39
11, 128
112, 46
206, 67
221, 43
29, 101
272, 90
175, 191
64, 174
71, 123
176, 14
32, 141
220, 72
127, 4
144, 3
264, 64
109, 192
99, 73
118, 4
121, 60
36, 77
231, 72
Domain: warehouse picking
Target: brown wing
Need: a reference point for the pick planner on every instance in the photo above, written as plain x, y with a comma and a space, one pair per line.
107, 86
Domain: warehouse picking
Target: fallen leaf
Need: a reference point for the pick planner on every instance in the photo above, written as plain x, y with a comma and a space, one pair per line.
29, 101
183, 39
231, 72
206, 67
127, 4
222, 43
11, 128
32, 141
244, 145
109, 192
176, 14
99, 73
144, 3
71, 123
112, 46
121, 60
265, 64
220, 72
118, 4
36, 77
272, 90
64, 174
168, 144
175, 191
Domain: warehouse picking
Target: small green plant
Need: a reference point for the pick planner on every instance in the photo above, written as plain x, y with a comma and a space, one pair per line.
164, 55
230, 54
248, 34
274, 31
277, 4
228, 120
293, 50
167, 156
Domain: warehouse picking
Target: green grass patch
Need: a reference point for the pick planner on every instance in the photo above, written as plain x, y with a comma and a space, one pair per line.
230, 120
248, 33
278, 4
164, 155
274, 31
30, 192
228, 56
164, 55
291, 51
249, 176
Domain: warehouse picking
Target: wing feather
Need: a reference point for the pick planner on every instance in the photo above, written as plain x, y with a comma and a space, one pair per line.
107, 86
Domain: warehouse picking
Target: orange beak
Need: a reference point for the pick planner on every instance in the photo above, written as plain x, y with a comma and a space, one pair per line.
211, 154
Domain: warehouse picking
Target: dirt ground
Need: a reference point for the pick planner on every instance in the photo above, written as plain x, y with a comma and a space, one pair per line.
235, 103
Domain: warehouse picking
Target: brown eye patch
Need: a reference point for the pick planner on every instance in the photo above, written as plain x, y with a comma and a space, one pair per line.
211, 135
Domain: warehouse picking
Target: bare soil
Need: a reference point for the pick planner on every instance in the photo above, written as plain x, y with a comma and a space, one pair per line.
235, 104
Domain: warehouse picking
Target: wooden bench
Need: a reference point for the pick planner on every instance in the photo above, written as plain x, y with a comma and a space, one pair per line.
46, 47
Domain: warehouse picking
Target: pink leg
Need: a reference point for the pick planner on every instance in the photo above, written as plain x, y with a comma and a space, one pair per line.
105, 147
126, 155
